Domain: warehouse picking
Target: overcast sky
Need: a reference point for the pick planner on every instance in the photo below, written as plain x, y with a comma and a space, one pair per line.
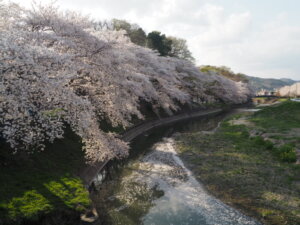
258, 38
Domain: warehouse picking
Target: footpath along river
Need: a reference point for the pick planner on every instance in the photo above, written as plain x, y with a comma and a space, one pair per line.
153, 187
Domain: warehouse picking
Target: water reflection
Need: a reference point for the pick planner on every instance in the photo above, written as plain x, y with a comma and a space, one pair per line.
154, 187
185, 201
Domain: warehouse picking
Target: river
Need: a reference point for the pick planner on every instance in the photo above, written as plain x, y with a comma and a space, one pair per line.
153, 187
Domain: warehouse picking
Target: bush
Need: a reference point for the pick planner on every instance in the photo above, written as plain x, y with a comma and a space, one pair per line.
258, 140
269, 145
245, 134
286, 153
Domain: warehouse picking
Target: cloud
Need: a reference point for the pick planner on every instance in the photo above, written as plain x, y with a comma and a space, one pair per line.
216, 33
271, 50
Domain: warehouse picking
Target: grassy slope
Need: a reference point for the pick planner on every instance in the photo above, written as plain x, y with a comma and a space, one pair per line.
41, 183
243, 172
281, 117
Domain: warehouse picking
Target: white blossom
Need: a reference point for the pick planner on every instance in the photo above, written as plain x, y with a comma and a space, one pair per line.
57, 71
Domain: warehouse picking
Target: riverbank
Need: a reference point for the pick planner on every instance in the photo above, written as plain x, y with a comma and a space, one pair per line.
154, 187
249, 162
42, 187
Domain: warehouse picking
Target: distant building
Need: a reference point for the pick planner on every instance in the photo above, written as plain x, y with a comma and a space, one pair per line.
264, 92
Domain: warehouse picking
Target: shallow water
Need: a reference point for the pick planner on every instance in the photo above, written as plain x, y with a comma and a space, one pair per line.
185, 201
250, 110
155, 188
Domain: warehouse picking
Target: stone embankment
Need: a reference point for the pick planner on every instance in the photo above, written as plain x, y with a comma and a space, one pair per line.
90, 171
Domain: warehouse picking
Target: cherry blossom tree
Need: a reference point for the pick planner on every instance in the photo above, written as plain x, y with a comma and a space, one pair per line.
57, 71
290, 91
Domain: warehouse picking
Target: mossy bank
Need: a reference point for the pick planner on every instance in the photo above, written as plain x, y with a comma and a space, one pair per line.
246, 165
43, 188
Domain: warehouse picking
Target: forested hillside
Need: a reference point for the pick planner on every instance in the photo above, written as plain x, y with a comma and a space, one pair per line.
225, 72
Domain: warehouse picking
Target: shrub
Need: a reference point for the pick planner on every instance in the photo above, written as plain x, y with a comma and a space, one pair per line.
286, 153
258, 140
269, 145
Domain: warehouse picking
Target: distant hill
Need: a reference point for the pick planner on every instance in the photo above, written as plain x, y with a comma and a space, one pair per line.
269, 84
256, 83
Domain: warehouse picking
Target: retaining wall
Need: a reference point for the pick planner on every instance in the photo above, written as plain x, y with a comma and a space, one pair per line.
88, 173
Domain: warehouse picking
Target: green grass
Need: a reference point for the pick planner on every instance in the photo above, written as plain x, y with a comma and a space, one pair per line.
43, 182
263, 102
280, 117
282, 99
286, 153
249, 173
